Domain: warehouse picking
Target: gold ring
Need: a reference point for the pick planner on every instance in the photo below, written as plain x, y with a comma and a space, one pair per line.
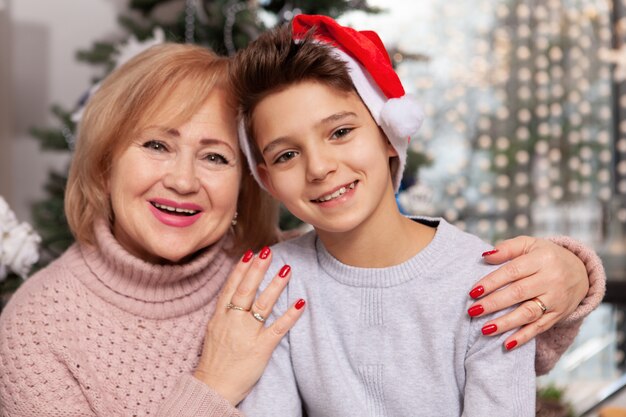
231, 306
257, 316
541, 305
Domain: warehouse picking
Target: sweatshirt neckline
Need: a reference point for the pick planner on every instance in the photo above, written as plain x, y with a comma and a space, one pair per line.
418, 266
146, 289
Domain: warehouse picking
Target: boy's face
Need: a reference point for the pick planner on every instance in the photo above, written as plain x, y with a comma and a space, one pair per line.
324, 157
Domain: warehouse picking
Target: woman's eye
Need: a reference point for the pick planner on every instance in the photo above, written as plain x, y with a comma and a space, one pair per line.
216, 158
155, 145
284, 157
341, 132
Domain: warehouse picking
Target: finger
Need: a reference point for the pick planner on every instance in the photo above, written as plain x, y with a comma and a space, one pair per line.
513, 294
529, 331
509, 249
283, 324
246, 290
235, 277
526, 313
266, 300
520, 267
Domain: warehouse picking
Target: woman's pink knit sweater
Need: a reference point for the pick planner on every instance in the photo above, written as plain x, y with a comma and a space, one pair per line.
102, 333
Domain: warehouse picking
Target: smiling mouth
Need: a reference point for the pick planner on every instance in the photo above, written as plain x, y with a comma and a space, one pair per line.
174, 210
336, 194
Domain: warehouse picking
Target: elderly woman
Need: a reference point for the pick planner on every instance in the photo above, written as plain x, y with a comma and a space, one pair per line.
130, 321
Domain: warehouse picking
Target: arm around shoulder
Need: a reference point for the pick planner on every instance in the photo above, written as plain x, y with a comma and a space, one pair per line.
597, 278
552, 343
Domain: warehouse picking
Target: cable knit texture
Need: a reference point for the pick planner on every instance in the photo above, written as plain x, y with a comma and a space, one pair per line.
102, 333
552, 343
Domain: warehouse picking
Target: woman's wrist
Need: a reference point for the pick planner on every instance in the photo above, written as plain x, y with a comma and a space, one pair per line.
192, 397
595, 274
218, 386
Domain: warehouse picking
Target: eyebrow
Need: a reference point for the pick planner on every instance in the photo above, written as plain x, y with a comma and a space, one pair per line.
175, 133
330, 119
335, 117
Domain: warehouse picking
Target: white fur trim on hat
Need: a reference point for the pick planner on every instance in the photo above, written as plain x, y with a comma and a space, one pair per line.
400, 118
248, 151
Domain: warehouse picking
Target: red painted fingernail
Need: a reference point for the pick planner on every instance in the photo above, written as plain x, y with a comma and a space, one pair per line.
490, 252
284, 271
477, 292
511, 345
299, 304
265, 252
488, 329
476, 310
247, 256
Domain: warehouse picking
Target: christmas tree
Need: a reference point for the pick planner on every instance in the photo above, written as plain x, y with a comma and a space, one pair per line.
224, 26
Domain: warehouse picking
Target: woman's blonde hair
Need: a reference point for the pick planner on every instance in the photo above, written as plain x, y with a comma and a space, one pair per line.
127, 100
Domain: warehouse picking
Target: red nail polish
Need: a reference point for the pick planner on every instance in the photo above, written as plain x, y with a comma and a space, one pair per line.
265, 252
488, 329
476, 310
490, 252
299, 304
284, 271
511, 345
247, 256
477, 292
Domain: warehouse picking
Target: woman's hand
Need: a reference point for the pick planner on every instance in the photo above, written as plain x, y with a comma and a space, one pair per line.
238, 345
540, 273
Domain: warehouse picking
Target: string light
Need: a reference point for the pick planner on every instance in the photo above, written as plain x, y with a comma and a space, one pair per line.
231, 9
190, 20
533, 101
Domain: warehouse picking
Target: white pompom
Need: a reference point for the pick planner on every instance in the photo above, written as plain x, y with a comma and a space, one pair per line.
401, 117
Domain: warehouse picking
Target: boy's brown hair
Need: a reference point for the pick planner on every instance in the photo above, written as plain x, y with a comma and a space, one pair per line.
273, 62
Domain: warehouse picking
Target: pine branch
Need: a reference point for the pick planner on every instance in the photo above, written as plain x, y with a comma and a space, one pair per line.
141, 30
55, 139
50, 139
64, 116
332, 8
100, 54
145, 6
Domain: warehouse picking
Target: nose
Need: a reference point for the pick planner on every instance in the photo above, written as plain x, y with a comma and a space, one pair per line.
181, 175
321, 162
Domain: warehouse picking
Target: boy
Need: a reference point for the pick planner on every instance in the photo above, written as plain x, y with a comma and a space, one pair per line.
325, 127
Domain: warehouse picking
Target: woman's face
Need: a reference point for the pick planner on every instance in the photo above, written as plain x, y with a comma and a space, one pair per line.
174, 189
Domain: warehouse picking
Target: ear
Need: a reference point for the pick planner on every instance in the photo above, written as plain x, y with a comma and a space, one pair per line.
391, 151
266, 179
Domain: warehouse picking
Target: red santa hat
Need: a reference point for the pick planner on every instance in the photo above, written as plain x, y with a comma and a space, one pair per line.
398, 114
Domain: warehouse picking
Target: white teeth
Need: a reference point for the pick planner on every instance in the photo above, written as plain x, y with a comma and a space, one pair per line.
174, 209
337, 193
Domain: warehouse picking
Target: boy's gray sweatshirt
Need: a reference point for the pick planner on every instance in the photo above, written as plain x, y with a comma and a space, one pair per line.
397, 341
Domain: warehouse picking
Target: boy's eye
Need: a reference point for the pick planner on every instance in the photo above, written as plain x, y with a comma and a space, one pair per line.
216, 158
155, 145
284, 157
341, 132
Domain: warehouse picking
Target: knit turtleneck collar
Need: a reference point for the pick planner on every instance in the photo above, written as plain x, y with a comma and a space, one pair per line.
150, 290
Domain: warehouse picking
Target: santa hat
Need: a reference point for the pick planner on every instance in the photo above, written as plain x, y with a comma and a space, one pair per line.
398, 114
